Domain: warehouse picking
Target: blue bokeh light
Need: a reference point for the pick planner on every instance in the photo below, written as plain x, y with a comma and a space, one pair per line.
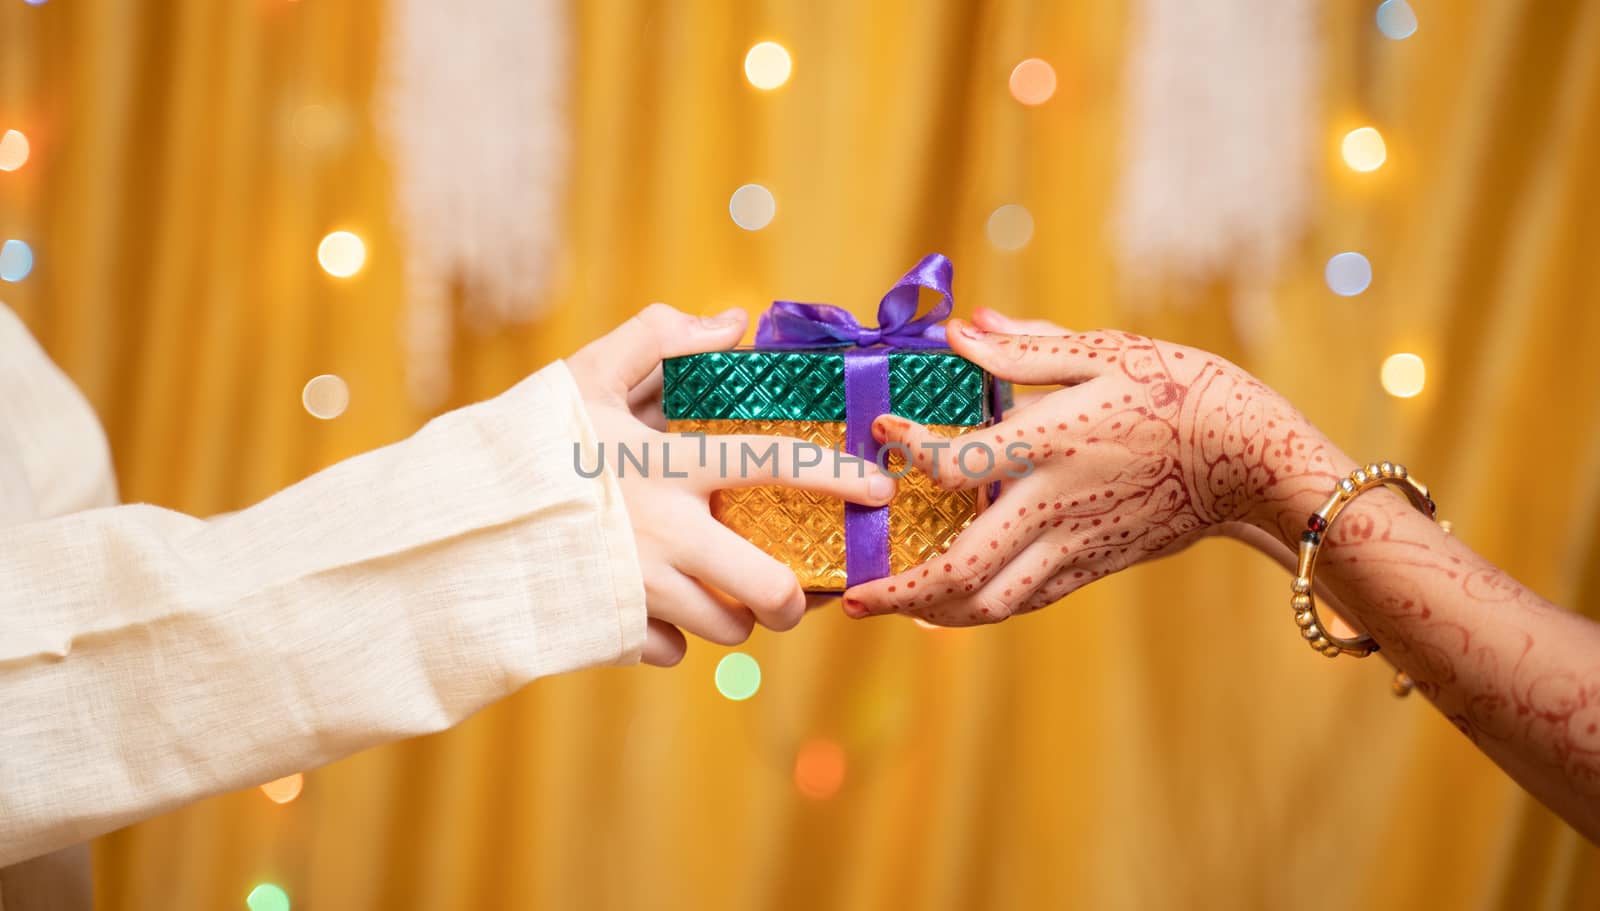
16, 260
1396, 19
1348, 274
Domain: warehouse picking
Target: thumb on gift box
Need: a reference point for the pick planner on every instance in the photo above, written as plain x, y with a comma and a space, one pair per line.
624, 357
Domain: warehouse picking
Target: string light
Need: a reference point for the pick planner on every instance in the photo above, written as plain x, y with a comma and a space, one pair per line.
341, 254
767, 65
738, 676
284, 789
1010, 227
752, 207
1403, 375
325, 396
1396, 19
1033, 81
1348, 274
16, 260
13, 150
1363, 149
267, 897
819, 769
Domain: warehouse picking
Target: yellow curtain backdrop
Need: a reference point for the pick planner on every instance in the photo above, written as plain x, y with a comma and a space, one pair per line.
1160, 740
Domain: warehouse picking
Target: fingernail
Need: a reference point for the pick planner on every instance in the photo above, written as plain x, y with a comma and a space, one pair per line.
880, 487
854, 608
722, 320
966, 330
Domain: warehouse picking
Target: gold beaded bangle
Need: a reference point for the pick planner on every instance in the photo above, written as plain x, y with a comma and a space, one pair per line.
1360, 481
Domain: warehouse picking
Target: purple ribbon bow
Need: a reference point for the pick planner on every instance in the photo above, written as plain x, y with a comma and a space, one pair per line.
790, 324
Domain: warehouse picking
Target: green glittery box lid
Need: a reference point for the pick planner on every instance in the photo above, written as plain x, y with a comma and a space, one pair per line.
929, 386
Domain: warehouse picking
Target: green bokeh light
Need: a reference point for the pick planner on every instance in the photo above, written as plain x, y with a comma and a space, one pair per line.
267, 897
738, 676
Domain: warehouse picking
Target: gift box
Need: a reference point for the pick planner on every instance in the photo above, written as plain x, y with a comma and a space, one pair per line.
816, 374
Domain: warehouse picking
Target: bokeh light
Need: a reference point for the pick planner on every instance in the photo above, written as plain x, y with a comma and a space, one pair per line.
1348, 274
341, 254
13, 150
767, 65
1010, 227
16, 260
1403, 375
267, 897
1396, 19
1363, 149
752, 207
316, 127
284, 789
819, 769
738, 676
325, 396
1033, 81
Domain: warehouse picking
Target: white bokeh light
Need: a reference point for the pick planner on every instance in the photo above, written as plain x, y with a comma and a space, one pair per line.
342, 254
1363, 149
13, 150
1348, 274
325, 397
1010, 227
767, 65
1403, 375
752, 207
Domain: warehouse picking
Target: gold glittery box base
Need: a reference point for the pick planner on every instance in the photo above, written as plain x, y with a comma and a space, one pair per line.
806, 530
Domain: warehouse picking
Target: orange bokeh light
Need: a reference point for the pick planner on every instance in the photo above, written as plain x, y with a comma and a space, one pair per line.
819, 769
1033, 81
284, 789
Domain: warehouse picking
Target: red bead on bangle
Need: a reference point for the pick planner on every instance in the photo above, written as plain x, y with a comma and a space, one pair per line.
1360, 481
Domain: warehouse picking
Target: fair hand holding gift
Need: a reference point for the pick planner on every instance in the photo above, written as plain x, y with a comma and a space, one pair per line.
699, 576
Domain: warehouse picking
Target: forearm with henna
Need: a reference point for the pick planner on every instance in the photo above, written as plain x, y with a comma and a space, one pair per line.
1517, 675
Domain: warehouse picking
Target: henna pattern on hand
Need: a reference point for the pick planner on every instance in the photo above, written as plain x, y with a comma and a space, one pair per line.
1150, 446
1159, 447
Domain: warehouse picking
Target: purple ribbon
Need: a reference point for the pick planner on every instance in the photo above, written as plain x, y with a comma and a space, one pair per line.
790, 324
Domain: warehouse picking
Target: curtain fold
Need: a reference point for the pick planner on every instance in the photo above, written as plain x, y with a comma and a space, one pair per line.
1160, 740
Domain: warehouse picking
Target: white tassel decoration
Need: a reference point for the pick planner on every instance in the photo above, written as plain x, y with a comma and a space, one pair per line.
1221, 135
472, 105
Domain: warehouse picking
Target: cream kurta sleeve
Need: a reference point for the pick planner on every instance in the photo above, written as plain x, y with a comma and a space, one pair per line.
148, 658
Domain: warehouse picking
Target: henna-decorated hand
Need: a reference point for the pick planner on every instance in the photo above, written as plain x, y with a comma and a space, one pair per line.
1149, 447
1155, 445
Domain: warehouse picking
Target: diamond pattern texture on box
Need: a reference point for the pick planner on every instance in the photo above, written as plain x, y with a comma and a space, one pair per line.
800, 393
806, 530
929, 387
